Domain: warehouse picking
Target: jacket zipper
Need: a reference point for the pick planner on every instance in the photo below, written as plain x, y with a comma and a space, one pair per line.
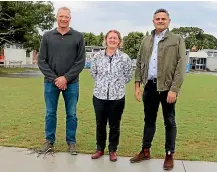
110, 60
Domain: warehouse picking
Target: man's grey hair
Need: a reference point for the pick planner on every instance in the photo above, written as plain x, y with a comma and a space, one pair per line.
64, 8
161, 10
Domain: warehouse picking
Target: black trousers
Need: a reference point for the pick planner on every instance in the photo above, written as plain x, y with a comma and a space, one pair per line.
108, 111
151, 99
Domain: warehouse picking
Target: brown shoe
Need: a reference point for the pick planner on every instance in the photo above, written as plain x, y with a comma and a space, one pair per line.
168, 162
46, 147
143, 155
97, 154
72, 149
113, 156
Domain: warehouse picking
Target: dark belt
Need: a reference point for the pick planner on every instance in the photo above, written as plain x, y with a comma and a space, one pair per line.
153, 80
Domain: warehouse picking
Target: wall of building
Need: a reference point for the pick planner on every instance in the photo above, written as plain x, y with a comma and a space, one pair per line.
2, 56
14, 56
211, 63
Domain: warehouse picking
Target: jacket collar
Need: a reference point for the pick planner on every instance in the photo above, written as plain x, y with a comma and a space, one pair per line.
165, 35
55, 31
117, 52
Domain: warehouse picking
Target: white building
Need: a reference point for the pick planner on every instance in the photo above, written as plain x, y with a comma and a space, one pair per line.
15, 55
91, 50
211, 63
205, 59
197, 60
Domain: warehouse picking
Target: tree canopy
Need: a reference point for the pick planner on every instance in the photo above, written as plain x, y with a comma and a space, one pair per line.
20, 22
195, 36
131, 43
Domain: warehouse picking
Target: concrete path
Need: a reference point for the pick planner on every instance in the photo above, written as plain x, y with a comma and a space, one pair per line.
20, 160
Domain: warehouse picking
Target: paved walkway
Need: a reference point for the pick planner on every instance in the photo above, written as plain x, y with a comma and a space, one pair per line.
20, 160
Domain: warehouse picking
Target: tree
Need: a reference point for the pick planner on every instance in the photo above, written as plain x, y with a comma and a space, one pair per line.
185, 32
90, 39
209, 41
20, 22
100, 39
195, 36
33, 41
131, 43
147, 33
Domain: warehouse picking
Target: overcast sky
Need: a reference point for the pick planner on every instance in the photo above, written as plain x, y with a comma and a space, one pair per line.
137, 16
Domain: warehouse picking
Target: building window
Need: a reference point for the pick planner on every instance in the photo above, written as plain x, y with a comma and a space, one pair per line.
27, 54
209, 53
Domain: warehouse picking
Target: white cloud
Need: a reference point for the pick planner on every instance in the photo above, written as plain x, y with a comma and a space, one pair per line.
74, 6
96, 17
212, 5
212, 25
175, 25
123, 26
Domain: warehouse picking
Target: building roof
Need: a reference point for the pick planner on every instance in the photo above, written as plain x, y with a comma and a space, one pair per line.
209, 50
199, 54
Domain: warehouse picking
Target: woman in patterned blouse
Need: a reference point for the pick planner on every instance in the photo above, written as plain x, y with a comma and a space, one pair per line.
111, 70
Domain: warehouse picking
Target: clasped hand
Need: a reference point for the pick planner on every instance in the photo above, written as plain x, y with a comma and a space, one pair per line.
61, 83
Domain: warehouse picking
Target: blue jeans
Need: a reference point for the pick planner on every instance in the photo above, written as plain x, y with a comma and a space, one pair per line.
70, 95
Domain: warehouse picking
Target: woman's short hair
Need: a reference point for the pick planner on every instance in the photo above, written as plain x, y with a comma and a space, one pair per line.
114, 31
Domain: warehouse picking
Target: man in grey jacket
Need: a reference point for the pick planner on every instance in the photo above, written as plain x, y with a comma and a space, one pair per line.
61, 59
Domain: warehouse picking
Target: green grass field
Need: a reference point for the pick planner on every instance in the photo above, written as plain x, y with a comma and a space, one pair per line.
22, 118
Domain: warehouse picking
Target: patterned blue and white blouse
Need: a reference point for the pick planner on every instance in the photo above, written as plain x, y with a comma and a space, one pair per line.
111, 74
